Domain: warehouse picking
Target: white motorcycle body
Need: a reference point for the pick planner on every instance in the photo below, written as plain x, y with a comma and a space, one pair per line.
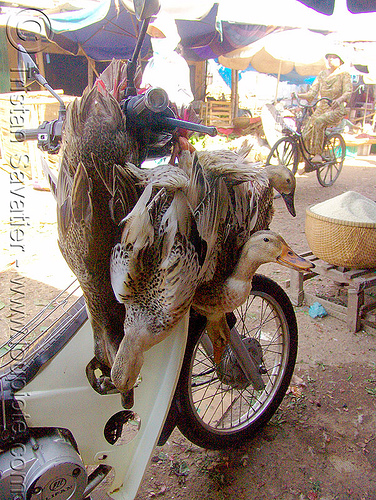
60, 396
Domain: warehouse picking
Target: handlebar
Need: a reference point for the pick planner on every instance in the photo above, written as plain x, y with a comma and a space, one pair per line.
310, 106
30, 134
149, 110
48, 135
195, 127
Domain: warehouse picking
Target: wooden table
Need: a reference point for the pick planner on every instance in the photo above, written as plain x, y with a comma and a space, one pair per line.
357, 280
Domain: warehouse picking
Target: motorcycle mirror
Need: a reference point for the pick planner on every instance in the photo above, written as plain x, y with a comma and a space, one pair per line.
29, 72
146, 8
27, 68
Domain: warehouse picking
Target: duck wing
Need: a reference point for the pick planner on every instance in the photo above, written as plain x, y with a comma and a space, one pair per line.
154, 272
122, 185
167, 176
95, 126
239, 176
265, 195
49, 174
74, 215
235, 226
234, 168
223, 200
208, 201
86, 250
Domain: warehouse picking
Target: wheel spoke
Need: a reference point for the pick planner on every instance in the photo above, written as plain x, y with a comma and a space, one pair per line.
284, 152
218, 404
334, 151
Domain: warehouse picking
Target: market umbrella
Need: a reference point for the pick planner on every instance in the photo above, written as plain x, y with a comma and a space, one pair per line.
104, 32
107, 30
354, 17
280, 53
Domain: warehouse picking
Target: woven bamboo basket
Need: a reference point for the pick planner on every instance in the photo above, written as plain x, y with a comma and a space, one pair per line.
341, 243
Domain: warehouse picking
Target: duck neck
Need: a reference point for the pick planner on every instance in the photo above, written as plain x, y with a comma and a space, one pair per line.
246, 267
271, 171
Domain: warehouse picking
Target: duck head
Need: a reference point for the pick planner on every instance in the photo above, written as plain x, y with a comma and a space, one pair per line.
264, 247
283, 181
129, 360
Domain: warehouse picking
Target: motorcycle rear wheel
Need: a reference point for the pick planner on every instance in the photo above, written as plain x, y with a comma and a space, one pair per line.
215, 414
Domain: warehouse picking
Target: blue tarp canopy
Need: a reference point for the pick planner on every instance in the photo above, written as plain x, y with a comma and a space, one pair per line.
293, 77
105, 32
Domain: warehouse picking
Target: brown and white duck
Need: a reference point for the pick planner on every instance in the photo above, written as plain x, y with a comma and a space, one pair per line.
227, 282
154, 273
94, 192
226, 292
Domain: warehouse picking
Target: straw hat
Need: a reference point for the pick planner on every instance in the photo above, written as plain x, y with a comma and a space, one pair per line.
163, 32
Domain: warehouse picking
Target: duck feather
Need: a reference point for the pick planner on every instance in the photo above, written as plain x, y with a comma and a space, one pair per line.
154, 272
95, 190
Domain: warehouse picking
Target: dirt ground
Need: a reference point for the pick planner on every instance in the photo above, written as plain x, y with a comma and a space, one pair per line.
321, 443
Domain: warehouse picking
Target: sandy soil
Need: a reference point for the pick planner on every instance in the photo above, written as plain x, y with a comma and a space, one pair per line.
320, 445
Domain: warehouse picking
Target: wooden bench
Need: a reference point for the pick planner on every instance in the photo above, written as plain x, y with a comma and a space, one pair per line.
357, 280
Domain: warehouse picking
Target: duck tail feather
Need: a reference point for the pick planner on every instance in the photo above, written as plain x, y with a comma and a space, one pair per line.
185, 162
198, 188
82, 208
254, 208
244, 149
138, 229
72, 123
113, 79
77, 114
124, 193
229, 165
83, 108
106, 182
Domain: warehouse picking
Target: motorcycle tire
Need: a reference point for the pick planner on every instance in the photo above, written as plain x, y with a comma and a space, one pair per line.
218, 408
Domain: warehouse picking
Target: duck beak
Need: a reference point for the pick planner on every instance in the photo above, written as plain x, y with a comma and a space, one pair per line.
289, 200
289, 258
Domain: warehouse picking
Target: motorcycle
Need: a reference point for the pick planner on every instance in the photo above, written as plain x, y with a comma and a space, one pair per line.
60, 438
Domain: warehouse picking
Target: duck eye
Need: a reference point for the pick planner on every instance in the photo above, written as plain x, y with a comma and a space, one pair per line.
266, 239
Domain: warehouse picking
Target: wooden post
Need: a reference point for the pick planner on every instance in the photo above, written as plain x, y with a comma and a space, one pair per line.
234, 94
278, 79
296, 287
365, 107
39, 58
355, 300
90, 72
